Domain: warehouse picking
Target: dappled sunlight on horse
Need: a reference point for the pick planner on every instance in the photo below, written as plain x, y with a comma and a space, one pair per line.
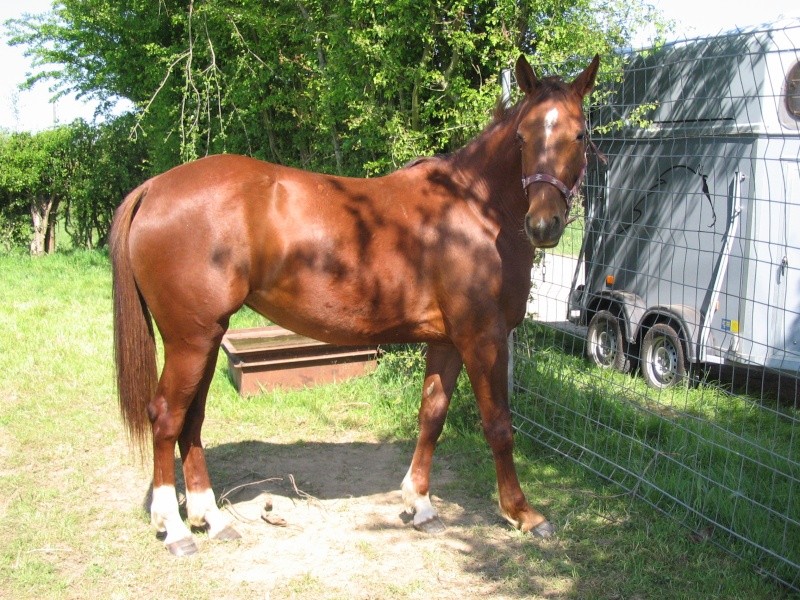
437, 252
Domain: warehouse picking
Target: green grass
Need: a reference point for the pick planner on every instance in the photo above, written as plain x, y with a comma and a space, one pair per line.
701, 454
571, 240
69, 528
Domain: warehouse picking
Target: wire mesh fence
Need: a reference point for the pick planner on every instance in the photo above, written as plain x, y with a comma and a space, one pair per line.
663, 348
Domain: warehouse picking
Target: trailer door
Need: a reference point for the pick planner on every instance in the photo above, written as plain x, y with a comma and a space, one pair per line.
781, 168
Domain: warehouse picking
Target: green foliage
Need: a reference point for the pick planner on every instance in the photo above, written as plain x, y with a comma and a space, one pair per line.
13, 232
34, 180
353, 86
109, 166
76, 172
31, 164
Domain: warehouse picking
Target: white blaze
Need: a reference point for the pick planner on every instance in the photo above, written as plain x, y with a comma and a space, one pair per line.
550, 120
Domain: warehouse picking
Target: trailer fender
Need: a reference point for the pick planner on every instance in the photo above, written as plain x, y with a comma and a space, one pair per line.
629, 307
685, 319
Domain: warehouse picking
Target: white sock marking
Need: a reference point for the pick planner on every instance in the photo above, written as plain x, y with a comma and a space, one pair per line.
164, 514
416, 504
202, 510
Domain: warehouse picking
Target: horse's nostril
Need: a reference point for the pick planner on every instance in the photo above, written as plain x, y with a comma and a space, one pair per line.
532, 226
544, 232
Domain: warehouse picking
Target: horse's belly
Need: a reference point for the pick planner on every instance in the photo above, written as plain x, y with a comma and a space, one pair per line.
348, 312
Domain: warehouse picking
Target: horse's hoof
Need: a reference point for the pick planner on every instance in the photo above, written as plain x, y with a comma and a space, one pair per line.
431, 526
544, 530
227, 534
184, 547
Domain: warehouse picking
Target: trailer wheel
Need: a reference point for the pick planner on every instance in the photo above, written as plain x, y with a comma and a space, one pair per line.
662, 361
605, 344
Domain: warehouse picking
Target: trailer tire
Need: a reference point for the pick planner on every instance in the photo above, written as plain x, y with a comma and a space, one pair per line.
605, 344
662, 359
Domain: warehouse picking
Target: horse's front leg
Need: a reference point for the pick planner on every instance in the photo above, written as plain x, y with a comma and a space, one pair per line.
443, 364
486, 361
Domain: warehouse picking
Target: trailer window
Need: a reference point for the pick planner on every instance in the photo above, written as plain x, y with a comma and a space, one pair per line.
793, 91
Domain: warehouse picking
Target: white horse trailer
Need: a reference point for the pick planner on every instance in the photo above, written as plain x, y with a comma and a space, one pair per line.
692, 244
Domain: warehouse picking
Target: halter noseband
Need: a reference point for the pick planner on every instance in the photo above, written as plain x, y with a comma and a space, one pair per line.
568, 194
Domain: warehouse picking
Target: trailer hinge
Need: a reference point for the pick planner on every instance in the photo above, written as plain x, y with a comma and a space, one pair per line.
784, 266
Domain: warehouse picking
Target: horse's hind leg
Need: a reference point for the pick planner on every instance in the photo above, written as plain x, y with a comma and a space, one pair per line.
443, 364
201, 505
186, 365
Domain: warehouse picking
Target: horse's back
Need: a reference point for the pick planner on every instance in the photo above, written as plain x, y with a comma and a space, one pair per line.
341, 259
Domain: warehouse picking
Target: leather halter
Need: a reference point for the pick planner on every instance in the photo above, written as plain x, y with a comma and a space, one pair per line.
567, 193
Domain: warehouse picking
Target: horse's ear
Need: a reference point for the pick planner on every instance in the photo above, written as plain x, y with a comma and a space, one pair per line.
584, 83
526, 78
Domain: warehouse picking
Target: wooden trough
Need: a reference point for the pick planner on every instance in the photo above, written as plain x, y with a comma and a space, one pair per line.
265, 358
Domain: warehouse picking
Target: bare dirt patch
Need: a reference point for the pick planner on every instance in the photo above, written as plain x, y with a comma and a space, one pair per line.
344, 533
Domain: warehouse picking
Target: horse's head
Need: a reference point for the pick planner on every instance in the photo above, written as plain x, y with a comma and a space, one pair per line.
553, 140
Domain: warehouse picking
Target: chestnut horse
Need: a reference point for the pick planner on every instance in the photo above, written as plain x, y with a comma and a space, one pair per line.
438, 252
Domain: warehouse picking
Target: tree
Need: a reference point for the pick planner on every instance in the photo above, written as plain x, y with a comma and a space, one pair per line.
353, 86
35, 176
14, 215
78, 172
110, 165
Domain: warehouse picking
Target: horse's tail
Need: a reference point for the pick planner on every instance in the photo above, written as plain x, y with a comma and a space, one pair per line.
134, 342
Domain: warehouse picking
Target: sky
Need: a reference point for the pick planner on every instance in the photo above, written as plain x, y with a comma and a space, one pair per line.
33, 110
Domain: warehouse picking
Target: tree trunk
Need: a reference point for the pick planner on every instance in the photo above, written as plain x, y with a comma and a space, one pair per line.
50, 234
37, 216
42, 209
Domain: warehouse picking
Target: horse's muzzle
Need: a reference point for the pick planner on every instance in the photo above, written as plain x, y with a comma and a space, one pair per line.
544, 232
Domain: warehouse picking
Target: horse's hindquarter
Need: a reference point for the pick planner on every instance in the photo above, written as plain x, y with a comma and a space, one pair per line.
189, 244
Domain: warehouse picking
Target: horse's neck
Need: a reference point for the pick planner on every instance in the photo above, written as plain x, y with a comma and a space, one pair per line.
491, 168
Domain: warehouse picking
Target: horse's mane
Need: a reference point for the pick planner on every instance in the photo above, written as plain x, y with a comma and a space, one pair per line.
548, 86
424, 159
417, 161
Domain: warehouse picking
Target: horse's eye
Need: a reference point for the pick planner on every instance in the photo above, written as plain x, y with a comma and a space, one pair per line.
520, 140
581, 136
